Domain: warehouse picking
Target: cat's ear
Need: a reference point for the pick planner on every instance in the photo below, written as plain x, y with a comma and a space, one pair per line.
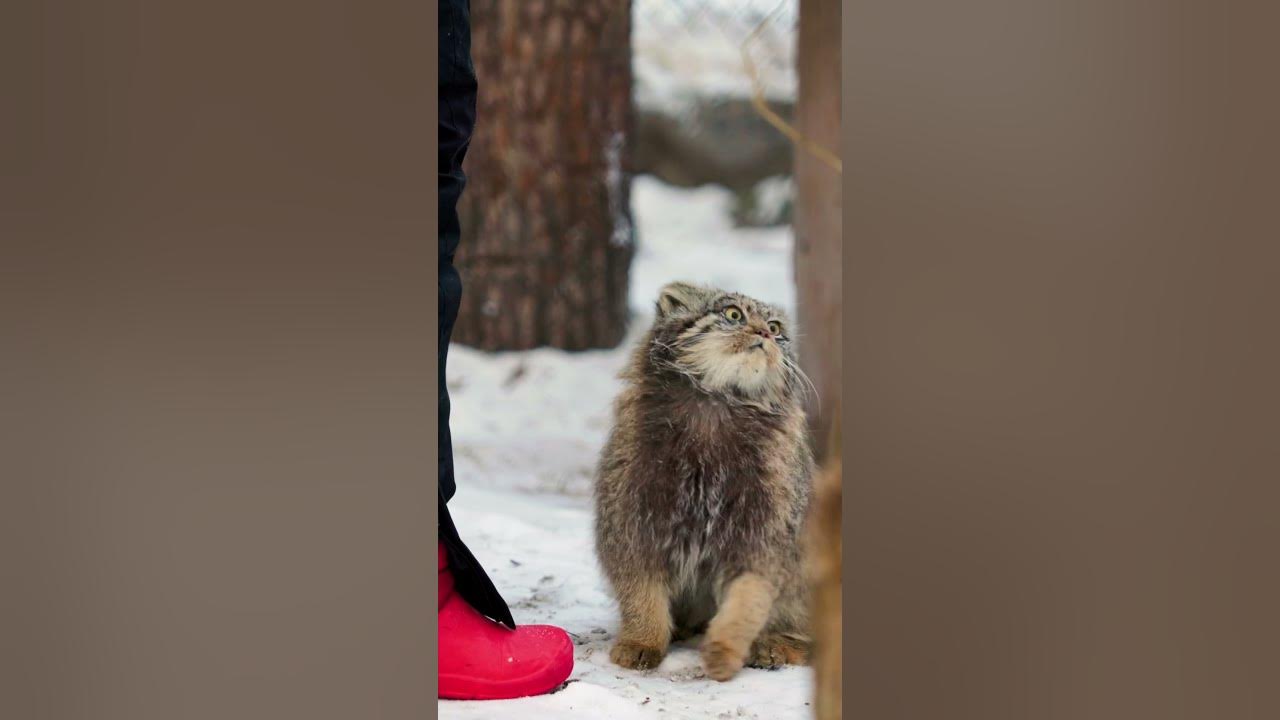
678, 297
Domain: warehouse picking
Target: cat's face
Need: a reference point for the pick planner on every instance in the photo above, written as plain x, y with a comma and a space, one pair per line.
727, 342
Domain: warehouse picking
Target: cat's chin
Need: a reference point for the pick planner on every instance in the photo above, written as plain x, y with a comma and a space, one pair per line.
737, 367
752, 378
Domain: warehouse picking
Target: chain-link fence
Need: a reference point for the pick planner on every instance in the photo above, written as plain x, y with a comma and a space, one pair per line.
715, 87
713, 48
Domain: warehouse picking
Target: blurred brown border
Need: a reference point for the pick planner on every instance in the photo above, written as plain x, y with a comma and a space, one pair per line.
217, 412
1061, 448
433, 423
217, 240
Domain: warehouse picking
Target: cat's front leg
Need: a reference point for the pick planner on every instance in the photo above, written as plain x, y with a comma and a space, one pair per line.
646, 624
742, 614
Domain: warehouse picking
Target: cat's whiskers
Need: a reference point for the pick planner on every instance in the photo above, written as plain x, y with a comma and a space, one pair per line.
808, 389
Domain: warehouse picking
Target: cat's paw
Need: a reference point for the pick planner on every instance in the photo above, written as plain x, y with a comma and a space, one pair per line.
773, 651
720, 660
635, 656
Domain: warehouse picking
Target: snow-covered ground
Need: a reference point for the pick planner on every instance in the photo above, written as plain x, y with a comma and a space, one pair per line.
526, 430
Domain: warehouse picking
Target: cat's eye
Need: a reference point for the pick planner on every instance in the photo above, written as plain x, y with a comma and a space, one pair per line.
733, 314
775, 327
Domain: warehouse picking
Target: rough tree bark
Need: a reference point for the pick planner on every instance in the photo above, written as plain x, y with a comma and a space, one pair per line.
546, 217
818, 208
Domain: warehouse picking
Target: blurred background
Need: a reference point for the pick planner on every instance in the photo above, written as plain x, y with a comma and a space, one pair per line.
620, 146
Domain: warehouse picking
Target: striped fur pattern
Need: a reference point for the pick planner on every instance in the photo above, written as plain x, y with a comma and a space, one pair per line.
703, 487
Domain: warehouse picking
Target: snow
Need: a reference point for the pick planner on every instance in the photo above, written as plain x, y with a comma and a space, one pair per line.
527, 428
686, 234
537, 549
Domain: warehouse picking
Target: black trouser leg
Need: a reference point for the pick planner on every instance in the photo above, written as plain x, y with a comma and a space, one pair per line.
457, 119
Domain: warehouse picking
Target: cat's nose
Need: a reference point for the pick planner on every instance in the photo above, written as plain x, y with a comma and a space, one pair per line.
763, 332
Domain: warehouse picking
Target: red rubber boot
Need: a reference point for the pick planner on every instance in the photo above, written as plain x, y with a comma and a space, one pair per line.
482, 660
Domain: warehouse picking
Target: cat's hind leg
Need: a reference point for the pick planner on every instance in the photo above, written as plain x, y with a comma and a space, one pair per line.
774, 649
785, 639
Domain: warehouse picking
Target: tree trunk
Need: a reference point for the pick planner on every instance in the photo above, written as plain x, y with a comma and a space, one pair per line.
546, 216
818, 208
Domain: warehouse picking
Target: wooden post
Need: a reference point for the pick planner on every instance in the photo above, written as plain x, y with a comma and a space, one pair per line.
818, 208
818, 226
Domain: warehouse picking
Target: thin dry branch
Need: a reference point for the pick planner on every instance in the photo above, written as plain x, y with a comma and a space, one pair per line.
762, 107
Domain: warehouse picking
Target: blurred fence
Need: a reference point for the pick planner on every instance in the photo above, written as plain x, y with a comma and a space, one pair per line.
697, 47
715, 87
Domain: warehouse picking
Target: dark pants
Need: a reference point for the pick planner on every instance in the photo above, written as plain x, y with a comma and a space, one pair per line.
457, 120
